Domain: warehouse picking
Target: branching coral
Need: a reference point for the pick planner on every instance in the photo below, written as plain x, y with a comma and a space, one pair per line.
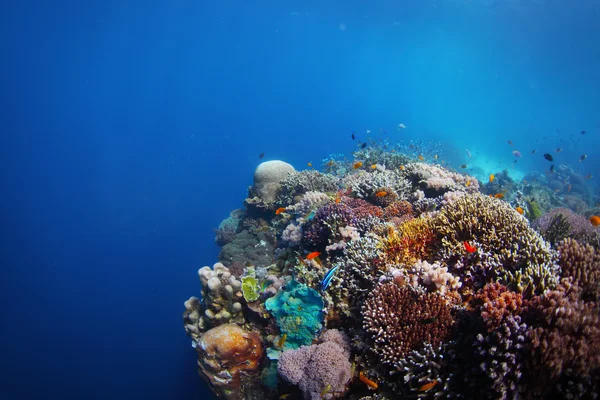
366, 184
435, 277
565, 337
435, 180
322, 371
410, 243
561, 223
525, 260
582, 263
400, 319
298, 183
496, 304
323, 229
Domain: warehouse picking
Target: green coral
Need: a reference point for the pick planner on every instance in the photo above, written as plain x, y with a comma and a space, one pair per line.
298, 311
250, 288
534, 210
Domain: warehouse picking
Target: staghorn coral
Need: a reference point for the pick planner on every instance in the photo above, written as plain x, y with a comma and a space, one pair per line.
227, 357
499, 355
315, 368
410, 243
399, 319
519, 255
298, 183
564, 341
582, 263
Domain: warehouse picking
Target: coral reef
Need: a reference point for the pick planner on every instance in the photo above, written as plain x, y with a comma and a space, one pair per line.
381, 278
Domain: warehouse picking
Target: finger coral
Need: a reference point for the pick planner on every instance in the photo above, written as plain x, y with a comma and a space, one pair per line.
400, 319
582, 263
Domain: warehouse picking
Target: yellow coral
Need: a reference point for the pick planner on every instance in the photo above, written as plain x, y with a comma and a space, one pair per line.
409, 244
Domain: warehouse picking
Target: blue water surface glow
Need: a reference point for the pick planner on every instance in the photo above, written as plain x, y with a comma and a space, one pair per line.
131, 129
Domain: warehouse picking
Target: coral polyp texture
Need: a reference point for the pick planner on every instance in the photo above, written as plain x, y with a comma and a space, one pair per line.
382, 278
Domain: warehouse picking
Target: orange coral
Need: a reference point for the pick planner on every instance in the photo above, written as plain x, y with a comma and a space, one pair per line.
227, 354
410, 243
497, 304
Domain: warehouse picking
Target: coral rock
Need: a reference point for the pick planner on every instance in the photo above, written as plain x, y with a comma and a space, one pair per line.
227, 354
268, 177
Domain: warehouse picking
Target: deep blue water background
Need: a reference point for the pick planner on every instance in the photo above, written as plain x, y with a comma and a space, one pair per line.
131, 129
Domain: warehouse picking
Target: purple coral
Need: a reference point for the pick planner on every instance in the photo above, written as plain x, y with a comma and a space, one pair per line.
323, 228
318, 367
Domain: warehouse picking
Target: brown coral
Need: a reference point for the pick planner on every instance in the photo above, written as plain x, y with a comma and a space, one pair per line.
410, 243
496, 304
565, 339
384, 196
226, 355
582, 263
400, 319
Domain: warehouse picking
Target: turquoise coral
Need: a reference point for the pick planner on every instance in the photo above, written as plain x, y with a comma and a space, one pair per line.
298, 311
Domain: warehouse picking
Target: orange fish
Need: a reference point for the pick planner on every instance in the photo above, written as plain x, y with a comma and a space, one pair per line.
469, 248
312, 255
492, 177
427, 386
468, 183
380, 194
421, 158
337, 199
371, 384
499, 195
357, 165
279, 210
402, 168
374, 166
595, 220
330, 163
519, 210
309, 164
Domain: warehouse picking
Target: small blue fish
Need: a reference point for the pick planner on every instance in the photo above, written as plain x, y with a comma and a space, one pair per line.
310, 215
327, 278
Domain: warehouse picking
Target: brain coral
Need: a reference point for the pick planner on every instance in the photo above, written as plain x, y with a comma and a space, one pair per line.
268, 177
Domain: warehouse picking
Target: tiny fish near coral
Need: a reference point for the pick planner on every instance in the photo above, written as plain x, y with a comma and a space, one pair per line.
595, 220
469, 248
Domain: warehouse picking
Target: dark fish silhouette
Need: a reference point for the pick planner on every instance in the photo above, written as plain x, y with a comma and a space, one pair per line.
583, 132
261, 155
548, 157
353, 137
363, 145
552, 168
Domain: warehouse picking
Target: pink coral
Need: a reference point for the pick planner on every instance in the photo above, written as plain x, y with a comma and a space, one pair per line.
316, 367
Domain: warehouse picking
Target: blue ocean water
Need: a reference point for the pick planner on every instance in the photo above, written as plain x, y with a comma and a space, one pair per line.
131, 129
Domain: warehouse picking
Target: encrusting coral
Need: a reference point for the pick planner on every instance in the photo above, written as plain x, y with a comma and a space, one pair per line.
227, 355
